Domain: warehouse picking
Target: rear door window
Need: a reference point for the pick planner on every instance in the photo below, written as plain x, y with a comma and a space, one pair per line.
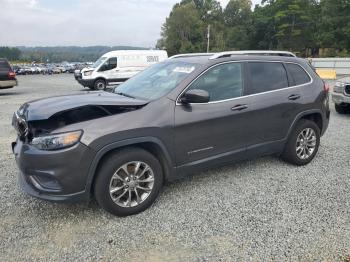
266, 76
298, 74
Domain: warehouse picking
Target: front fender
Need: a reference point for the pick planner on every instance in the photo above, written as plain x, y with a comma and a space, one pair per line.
129, 142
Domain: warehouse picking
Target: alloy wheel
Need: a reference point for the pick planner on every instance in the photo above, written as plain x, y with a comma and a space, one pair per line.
306, 143
131, 184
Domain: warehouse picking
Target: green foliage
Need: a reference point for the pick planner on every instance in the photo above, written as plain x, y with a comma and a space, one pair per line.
10, 53
238, 22
293, 23
185, 29
296, 25
334, 30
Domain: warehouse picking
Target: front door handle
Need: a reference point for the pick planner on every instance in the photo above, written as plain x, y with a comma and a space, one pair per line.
294, 97
239, 107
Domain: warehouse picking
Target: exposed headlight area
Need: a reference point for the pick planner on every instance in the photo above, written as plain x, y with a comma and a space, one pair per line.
88, 73
339, 87
20, 125
57, 141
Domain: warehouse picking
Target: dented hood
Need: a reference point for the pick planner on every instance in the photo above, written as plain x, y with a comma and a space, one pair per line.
42, 109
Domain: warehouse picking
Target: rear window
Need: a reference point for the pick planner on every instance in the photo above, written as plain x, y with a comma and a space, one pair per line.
298, 74
266, 77
4, 65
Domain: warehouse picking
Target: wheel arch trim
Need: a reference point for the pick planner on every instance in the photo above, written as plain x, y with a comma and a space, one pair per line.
129, 142
100, 78
303, 114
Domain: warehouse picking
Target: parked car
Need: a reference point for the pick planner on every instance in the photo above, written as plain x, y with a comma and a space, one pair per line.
45, 70
7, 75
117, 66
21, 71
33, 70
56, 70
27, 70
69, 68
177, 117
61, 68
16, 69
341, 96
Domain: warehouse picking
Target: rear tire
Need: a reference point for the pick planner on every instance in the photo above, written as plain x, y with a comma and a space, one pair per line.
118, 188
302, 144
100, 84
341, 109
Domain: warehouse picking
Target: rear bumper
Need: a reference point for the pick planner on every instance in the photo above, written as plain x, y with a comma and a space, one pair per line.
339, 98
326, 122
54, 175
7, 83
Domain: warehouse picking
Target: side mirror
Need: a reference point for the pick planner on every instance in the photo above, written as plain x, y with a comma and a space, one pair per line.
114, 88
195, 96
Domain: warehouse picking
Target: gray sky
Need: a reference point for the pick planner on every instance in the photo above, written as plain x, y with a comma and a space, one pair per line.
83, 22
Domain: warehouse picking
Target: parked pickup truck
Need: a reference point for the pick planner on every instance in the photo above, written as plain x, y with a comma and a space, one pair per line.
341, 96
7, 75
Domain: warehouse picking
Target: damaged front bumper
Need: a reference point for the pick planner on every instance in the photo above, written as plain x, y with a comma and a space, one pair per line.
84, 82
59, 175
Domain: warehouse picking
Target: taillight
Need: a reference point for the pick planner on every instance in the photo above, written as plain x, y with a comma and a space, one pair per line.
326, 87
11, 74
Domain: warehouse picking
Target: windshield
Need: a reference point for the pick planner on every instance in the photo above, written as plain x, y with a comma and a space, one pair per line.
99, 62
156, 81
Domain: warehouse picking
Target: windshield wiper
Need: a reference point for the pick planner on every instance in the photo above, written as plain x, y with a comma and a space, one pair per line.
123, 94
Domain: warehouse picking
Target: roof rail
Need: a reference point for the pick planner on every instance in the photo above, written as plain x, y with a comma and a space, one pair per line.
253, 52
191, 55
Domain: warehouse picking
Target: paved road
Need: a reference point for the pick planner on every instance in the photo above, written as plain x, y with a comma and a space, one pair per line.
257, 210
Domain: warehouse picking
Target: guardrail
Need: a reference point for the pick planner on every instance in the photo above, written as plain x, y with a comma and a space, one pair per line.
340, 65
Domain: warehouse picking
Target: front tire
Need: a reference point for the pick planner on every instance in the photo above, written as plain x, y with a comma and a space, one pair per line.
128, 182
341, 109
303, 143
100, 84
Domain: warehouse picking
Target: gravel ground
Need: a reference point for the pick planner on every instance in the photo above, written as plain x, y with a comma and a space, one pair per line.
257, 210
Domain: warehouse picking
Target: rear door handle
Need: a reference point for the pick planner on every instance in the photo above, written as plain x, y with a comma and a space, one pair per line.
294, 97
239, 107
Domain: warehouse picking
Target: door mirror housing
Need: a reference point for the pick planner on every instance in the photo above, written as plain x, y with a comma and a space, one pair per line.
195, 96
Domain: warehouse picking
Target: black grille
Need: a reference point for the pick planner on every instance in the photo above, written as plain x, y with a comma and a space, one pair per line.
347, 90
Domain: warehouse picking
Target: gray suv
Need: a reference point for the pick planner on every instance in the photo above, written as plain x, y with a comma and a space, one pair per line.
178, 117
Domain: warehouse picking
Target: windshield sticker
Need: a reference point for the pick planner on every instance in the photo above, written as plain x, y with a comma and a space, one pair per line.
183, 69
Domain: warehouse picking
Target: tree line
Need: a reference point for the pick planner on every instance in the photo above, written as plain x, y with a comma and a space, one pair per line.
306, 27
59, 53
10, 53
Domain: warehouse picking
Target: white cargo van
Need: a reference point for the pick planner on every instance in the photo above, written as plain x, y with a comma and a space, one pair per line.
117, 66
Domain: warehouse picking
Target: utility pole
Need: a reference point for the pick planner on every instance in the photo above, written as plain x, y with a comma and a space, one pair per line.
208, 38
